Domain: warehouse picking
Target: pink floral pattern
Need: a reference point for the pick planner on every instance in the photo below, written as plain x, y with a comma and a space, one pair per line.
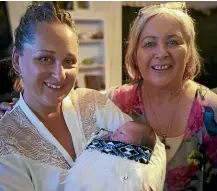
122, 98
196, 169
179, 177
211, 148
195, 120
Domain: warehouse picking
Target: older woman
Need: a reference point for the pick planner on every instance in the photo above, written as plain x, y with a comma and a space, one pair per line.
50, 124
162, 61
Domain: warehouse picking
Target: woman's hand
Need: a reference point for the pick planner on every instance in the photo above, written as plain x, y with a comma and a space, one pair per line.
5, 106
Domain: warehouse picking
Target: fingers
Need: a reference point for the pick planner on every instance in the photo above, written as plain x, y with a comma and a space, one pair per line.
5, 106
14, 100
1, 114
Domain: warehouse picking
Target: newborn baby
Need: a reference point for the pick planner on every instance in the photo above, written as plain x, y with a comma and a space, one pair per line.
136, 133
117, 161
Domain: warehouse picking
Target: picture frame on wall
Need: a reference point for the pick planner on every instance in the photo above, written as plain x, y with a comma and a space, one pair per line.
82, 5
72, 5
69, 5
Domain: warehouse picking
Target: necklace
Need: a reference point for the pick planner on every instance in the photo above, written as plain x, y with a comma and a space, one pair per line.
167, 146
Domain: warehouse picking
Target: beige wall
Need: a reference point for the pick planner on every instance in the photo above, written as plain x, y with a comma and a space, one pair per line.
114, 14
16, 10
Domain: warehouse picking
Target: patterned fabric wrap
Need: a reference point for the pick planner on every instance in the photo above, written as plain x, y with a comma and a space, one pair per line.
137, 153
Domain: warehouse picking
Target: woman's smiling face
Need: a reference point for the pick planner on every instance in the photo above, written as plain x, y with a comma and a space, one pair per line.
49, 65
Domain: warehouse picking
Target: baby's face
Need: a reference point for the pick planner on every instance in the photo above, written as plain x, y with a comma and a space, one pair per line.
129, 133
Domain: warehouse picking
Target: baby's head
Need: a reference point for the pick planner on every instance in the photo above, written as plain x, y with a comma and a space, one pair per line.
135, 132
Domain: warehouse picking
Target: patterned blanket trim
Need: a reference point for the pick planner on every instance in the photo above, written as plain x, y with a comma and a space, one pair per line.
137, 153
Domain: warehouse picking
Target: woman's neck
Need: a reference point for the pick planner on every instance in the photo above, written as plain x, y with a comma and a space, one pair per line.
41, 111
166, 93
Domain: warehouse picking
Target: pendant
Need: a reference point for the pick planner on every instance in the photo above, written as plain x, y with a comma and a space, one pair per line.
167, 147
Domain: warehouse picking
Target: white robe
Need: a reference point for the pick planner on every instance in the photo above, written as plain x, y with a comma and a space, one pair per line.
31, 158
96, 171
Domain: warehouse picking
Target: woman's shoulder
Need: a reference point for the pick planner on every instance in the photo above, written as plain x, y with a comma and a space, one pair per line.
211, 98
87, 96
86, 92
124, 96
208, 96
203, 95
205, 107
125, 90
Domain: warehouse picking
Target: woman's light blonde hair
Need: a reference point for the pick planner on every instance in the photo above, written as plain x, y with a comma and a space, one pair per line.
176, 10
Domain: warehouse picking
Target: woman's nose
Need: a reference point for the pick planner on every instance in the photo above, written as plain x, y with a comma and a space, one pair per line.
59, 72
161, 52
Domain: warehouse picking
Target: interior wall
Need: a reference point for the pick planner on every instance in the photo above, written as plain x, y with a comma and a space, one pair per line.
16, 9
114, 17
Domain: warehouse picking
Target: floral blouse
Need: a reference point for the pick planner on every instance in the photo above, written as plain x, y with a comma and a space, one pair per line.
196, 167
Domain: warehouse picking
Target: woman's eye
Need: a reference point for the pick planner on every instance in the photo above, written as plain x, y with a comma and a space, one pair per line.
149, 44
173, 42
70, 62
45, 59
